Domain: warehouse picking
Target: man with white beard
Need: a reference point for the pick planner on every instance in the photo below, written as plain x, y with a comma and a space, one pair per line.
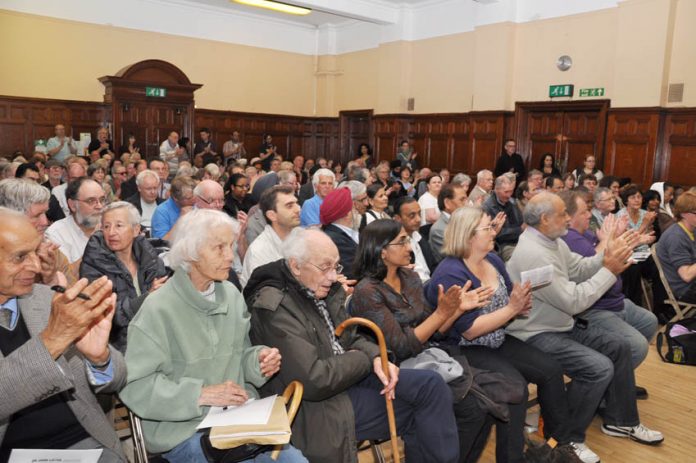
86, 199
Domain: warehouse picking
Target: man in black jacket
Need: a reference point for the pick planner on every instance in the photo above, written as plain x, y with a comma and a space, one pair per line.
336, 216
146, 200
502, 201
511, 161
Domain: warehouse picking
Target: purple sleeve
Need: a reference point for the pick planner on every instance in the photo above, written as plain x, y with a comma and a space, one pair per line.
579, 244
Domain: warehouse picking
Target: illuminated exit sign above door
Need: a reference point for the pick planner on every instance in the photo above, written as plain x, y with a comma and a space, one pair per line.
560, 90
157, 92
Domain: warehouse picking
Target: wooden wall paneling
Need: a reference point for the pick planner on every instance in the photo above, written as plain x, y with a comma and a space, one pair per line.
580, 138
631, 144
294, 135
678, 161
564, 129
23, 120
486, 133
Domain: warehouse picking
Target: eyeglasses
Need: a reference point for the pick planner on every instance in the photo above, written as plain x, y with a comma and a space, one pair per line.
338, 268
243, 187
211, 201
402, 242
486, 228
93, 201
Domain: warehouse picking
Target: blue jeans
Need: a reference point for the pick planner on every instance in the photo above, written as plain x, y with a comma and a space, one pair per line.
634, 323
190, 451
599, 362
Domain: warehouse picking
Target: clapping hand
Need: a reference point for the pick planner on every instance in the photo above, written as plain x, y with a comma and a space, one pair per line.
86, 323
474, 299
498, 221
617, 257
521, 298
448, 302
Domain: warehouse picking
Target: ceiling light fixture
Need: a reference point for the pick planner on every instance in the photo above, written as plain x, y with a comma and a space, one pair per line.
276, 6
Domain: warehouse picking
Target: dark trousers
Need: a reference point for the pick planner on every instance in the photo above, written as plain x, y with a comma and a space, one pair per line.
524, 363
423, 410
474, 426
600, 365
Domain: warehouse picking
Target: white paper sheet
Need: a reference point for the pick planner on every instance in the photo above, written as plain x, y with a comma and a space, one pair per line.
254, 412
640, 256
538, 277
54, 456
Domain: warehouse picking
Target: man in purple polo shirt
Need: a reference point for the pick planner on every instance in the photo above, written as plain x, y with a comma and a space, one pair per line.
612, 311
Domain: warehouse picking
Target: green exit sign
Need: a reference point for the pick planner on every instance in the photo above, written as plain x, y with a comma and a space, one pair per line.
158, 92
592, 92
560, 90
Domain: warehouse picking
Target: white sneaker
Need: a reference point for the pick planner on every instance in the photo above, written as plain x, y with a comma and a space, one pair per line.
637, 433
584, 453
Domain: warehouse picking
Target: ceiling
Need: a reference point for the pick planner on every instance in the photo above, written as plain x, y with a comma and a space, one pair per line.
327, 11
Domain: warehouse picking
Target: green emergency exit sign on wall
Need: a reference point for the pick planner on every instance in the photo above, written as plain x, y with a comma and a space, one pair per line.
560, 90
157, 92
584, 92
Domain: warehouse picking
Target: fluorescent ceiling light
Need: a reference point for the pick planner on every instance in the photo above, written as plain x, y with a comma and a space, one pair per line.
276, 6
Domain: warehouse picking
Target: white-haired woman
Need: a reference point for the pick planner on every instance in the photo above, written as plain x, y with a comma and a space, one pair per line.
188, 346
128, 260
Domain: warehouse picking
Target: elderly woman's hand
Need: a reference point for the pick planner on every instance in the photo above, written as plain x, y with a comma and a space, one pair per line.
269, 360
223, 395
475, 298
158, 282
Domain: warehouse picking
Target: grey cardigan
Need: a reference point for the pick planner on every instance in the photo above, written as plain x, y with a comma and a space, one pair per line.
578, 282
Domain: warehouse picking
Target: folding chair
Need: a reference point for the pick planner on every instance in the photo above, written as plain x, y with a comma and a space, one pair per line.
292, 394
681, 308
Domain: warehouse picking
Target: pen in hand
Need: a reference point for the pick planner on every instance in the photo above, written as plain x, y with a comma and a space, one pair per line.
61, 289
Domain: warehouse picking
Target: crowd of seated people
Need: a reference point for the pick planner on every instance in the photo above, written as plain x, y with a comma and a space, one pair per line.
205, 277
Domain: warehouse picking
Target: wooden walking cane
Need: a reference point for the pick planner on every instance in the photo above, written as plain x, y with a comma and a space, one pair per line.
385, 368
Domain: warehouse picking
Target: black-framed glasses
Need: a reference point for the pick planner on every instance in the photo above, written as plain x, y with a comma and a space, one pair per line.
338, 268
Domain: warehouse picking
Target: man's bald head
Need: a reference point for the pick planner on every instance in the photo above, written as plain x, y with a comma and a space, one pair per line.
209, 195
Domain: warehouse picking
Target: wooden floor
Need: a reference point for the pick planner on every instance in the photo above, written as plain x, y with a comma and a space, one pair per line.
671, 409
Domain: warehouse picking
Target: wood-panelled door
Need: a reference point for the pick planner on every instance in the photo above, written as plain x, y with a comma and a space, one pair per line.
150, 99
355, 128
151, 124
568, 131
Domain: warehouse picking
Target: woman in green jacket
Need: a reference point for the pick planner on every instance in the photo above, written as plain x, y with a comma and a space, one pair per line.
188, 346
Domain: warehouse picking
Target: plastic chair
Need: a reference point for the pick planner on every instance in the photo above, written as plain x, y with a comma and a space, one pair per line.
681, 308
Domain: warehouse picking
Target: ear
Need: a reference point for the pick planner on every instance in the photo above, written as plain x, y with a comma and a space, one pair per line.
294, 267
136, 230
272, 215
72, 205
397, 218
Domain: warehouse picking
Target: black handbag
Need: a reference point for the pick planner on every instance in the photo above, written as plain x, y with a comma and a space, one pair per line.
233, 455
680, 349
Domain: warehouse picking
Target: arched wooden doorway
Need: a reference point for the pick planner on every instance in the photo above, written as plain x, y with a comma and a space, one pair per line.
149, 99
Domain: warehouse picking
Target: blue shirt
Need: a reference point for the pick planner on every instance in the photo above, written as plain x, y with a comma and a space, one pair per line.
97, 377
310, 211
164, 218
